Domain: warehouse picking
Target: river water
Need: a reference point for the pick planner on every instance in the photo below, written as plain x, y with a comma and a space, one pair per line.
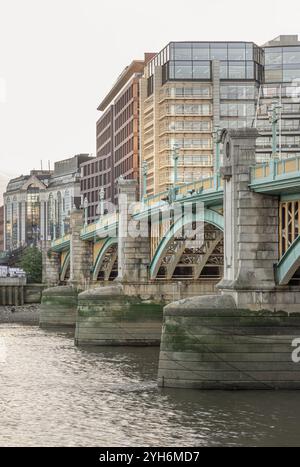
54, 394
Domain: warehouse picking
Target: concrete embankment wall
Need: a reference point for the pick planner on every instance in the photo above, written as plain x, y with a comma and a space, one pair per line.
58, 307
108, 317
15, 292
228, 349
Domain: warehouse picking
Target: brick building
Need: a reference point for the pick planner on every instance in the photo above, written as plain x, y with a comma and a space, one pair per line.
117, 139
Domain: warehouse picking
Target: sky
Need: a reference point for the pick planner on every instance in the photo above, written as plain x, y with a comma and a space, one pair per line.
58, 58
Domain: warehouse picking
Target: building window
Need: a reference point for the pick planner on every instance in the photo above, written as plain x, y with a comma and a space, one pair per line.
200, 51
183, 70
33, 216
150, 86
218, 51
237, 70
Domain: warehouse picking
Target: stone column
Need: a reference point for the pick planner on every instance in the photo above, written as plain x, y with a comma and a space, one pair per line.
23, 220
251, 219
133, 249
51, 265
18, 224
81, 257
42, 220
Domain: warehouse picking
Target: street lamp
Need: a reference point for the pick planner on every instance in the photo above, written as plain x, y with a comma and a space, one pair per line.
85, 207
101, 202
217, 142
274, 118
145, 173
175, 155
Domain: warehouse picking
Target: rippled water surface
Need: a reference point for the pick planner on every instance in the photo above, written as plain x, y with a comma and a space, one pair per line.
54, 394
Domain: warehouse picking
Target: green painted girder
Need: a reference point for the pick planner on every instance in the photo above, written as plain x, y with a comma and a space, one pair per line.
279, 176
283, 184
65, 266
103, 232
207, 215
208, 198
288, 264
110, 241
63, 246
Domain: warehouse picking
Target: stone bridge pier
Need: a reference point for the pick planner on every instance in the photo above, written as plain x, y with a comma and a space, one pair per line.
134, 238
59, 303
51, 265
110, 315
243, 337
251, 223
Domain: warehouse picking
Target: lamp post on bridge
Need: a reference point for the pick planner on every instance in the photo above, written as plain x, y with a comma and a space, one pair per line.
175, 155
101, 202
145, 173
274, 119
85, 207
217, 142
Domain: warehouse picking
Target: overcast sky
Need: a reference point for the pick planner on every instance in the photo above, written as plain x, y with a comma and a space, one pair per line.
59, 57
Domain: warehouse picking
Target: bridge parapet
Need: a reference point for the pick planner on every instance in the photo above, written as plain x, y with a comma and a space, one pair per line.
100, 228
61, 243
276, 174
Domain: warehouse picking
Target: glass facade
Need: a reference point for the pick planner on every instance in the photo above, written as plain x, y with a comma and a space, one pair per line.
196, 95
33, 216
38, 205
282, 64
14, 228
192, 61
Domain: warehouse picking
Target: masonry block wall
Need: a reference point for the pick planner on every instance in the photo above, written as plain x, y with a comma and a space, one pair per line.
81, 256
133, 250
51, 265
251, 219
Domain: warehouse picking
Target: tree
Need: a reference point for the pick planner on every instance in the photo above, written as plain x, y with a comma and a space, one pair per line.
31, 263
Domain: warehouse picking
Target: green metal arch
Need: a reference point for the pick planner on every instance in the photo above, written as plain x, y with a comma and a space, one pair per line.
288, 264
108, 243
207, 215
65, 267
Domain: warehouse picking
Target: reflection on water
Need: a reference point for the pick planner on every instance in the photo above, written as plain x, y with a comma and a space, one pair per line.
54, 394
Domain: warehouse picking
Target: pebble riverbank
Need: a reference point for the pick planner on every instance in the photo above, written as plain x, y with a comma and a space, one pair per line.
27, 314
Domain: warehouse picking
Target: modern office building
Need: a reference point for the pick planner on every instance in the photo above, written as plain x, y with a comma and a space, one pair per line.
117, 143
178, 98
37, 206
281, 87
188, 89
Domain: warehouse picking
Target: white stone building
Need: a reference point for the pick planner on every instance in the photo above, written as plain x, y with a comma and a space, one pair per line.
37, 206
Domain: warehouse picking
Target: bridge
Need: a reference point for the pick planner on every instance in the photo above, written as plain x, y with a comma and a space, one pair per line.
163, 254
229, 246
